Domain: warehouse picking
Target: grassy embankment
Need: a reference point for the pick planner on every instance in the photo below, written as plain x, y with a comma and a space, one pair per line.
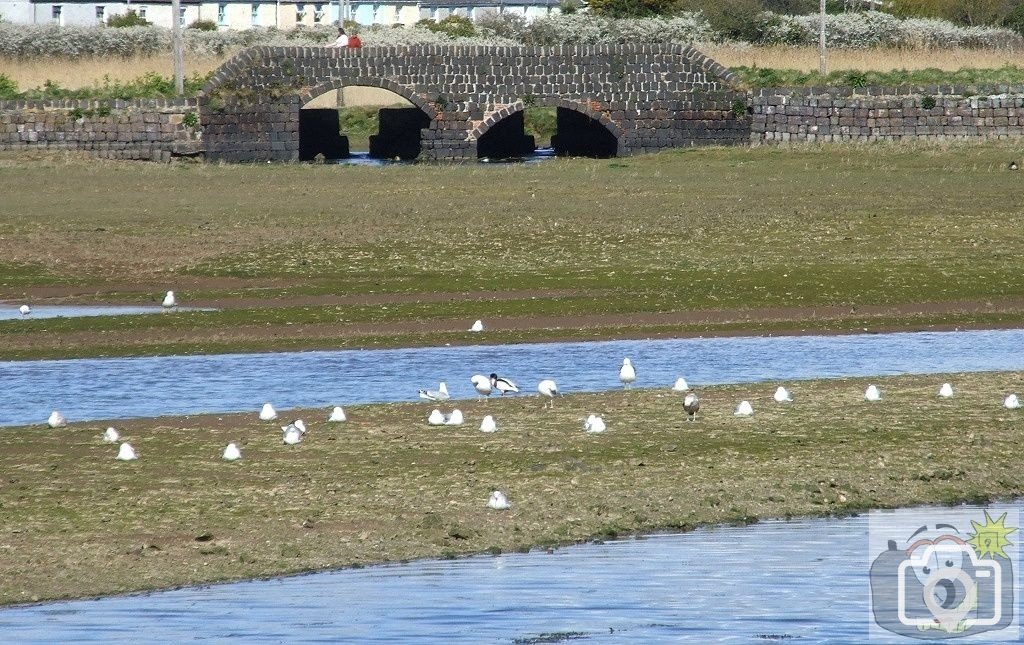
702, 242
386, 487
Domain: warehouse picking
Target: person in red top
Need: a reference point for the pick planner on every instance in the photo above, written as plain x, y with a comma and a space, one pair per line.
354, 42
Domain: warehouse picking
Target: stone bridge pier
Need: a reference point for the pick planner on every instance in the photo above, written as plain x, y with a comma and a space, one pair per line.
611, 100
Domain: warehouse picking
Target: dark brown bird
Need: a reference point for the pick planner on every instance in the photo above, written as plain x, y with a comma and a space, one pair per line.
692, 405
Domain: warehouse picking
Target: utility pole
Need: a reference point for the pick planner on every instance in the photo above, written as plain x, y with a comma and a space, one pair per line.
177, 48
822, 56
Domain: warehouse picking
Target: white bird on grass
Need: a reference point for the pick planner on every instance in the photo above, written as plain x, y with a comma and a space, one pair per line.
681, 385
503, 385
477, 326
626, 373
946, 391
111, 436
436, 418
169, 300
25, 310
594, 424
454, 419
482, 384
872, 393
488, 424
126, 453
232, 453
691, 404
268, 413
782, 395
498, 501
292, 434
440, 394
744, 409
548, 388
337, 415
1011, 402
56, 420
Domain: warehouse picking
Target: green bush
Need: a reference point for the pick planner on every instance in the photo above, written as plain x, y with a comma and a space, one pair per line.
744, 20
1015, 20
634, 8
203, 25
453, 26
569, 7
127, 19
8, 88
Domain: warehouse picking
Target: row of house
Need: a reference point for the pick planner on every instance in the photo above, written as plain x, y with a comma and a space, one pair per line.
283, 14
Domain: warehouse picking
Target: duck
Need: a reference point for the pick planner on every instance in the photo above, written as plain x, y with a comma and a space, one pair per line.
268, 413
744, 409
872, 393
691, 404
337, 415
440, 394
232, 453
594, 424
56, 420
946, 391
681, 385
25, 310
292, 434
481, 384
111, 435
436, 418
498, 501
782, 395
503, 385
477, 326
1011, 402
127, 453
626, 373
488, 424
548, 388
169, 300
454, 419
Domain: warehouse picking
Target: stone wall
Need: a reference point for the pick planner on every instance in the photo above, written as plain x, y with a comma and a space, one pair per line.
152, 129
886, 113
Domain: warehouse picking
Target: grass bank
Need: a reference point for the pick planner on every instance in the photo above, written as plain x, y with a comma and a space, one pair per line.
386, 487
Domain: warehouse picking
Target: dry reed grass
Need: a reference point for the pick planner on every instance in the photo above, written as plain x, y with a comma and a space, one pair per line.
86, 72
868, 60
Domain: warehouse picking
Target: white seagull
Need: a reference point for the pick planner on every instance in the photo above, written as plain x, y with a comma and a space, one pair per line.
548, 388
946, 391
268, 413
292, 434
681, 385
744, 409
25, 310
1011, 402
691, 404
56, 420
594, 424
498, 501
126, 453
782, 395
477, 326
482, 384
111, 436
337, 415
232, 453
169, 300
300, 424
502, 384
872, 394
488, 424
441, 394
436, 418
454, 419
626, 373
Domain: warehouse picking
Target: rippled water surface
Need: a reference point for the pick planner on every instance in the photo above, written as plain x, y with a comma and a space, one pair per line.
800, 582
144, 387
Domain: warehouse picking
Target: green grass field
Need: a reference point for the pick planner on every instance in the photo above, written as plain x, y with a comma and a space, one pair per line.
703, 241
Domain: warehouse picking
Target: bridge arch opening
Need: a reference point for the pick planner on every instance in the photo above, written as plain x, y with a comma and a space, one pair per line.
360, 121
568, 131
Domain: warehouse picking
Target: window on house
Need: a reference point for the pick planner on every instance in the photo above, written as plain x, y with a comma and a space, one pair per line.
254, 15
142, 11
101, 14
181, 16
300, 11
222, 14
318, 13
57, 13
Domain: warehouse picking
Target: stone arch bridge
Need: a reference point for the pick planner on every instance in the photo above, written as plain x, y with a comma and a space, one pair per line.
633, 98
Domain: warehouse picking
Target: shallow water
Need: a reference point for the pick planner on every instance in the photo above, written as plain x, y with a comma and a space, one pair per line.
363, 158
802, 581
85, 389
10, 312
